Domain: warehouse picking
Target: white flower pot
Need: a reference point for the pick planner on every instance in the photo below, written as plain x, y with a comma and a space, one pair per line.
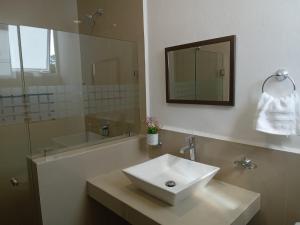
152, 139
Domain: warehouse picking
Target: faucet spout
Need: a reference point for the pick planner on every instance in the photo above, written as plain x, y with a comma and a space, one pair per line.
184, 149
190, 148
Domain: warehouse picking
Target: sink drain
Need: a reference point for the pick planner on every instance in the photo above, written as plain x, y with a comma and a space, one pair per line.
170, 183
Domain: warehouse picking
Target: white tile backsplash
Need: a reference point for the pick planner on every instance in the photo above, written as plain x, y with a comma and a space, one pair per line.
60, 98
51, 89
66, 100
60, 89
42, 89
44, 108
32, 90
34, 108
18, 101
98, 94
16, 91
19, 110
33, 99
6, 91
43, 99
7, 111
51, 98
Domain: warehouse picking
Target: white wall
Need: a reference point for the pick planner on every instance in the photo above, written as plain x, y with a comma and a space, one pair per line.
268, 34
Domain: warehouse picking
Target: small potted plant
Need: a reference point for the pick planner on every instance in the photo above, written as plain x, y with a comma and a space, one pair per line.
153, 127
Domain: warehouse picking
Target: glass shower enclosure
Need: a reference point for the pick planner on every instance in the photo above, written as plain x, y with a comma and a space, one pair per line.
58, 90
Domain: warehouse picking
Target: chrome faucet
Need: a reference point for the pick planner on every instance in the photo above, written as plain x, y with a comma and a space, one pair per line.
104, 129
245, 163
191, 147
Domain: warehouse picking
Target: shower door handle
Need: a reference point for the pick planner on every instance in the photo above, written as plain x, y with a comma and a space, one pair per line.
93, 73
14, 182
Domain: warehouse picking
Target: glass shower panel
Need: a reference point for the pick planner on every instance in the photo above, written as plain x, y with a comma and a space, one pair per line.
81, 89
15, 191
58, 90
53, 81
110, 77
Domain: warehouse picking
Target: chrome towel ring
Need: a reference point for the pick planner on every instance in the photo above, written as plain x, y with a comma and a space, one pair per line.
280, 75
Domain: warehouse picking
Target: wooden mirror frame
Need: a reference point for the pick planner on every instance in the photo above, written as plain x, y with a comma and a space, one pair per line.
231, 101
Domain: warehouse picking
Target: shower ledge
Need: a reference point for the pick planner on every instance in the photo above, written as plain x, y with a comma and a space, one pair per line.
218, 204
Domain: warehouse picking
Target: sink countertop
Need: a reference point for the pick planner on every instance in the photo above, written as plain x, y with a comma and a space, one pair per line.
217, 204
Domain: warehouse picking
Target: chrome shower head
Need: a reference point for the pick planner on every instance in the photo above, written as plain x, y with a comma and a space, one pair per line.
99, 12
90, 18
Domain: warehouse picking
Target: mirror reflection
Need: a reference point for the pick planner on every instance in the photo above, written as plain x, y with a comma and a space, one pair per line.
201, 72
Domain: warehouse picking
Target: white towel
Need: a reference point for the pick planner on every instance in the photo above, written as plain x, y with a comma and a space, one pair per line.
279, 116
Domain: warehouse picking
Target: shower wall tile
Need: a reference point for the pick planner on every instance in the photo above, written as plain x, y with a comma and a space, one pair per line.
33, 99
18, 101
41, 89
32, 90
16, 91
34, 108
19, 110
51, 98
44, 108
60, 98
91, 88
34, 117
8, 111
60, 114
51, 89
62, 101
60, 89
8, 120
6, 91
43, 99
51, 107
6, 102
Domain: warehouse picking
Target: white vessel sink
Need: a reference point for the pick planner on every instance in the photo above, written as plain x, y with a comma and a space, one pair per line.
170, 178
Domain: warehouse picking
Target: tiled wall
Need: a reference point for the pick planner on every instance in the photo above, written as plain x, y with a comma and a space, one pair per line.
277, 177
110, 98
54, 102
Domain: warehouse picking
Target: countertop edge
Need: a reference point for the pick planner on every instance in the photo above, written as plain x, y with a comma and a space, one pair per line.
134, 216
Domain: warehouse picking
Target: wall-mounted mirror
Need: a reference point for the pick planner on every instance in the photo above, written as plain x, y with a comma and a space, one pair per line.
201, 72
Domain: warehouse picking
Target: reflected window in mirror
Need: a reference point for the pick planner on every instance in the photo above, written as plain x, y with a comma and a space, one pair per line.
201, 72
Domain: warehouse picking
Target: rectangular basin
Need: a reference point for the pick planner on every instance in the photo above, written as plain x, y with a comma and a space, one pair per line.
170, 178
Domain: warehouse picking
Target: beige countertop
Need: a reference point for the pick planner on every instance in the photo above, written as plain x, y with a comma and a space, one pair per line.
217, 204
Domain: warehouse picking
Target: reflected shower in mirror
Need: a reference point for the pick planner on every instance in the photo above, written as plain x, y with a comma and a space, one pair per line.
201, 72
